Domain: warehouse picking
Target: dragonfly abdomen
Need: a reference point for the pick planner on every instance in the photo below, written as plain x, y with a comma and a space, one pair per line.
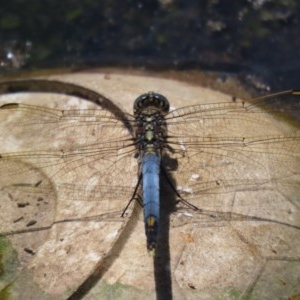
151, 205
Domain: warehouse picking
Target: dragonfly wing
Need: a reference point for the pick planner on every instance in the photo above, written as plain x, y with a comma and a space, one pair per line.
240, 167
235, 141
66, 176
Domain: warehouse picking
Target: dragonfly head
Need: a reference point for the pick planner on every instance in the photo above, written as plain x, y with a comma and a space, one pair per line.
151, 102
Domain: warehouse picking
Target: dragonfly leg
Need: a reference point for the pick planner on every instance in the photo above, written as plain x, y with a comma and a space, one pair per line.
134, 197
185, 202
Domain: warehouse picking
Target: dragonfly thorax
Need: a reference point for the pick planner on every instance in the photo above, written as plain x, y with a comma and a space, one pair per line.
150, 132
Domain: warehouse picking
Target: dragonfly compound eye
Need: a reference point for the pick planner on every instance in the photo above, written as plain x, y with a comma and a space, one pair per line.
151, 102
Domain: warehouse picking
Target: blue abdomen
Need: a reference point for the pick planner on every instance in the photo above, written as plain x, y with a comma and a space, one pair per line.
151, 205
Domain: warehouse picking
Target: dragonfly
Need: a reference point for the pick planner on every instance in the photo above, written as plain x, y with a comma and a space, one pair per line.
114, 162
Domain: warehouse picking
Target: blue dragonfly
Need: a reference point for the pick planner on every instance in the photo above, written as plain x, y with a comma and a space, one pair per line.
106, 156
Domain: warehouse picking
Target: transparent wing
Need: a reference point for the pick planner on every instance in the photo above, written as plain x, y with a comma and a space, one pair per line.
225, 148
239, 163
61, 168
83, 151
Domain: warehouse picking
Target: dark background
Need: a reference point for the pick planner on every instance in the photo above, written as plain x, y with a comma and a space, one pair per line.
257, 40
